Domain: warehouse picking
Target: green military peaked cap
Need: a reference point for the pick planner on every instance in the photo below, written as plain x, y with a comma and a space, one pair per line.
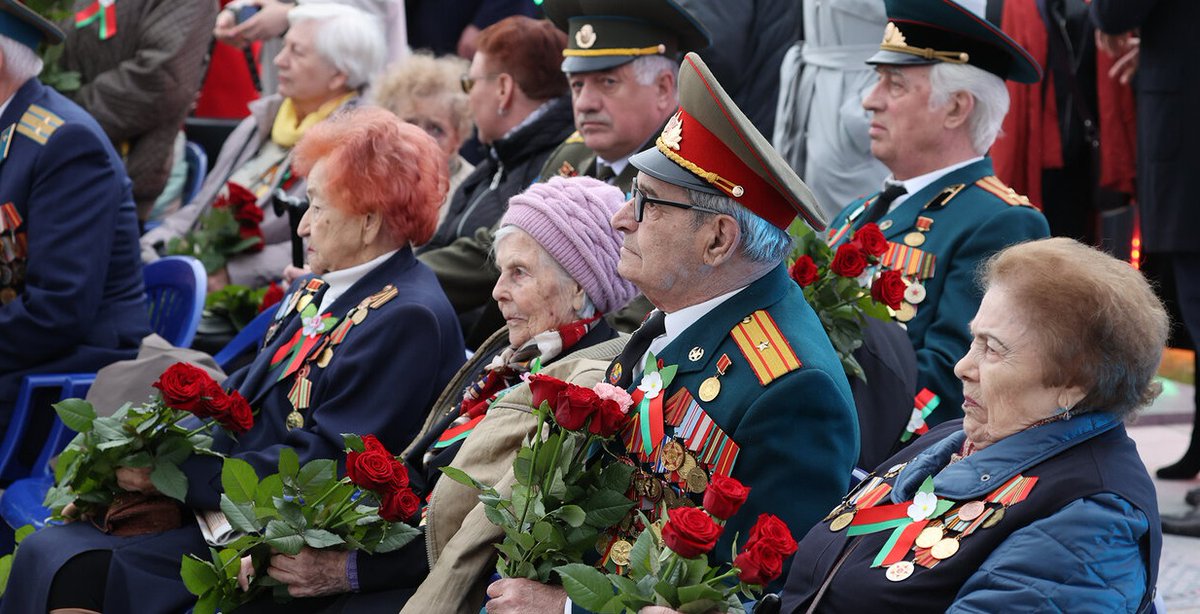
25, 26
603, 34
932, 31
709, 145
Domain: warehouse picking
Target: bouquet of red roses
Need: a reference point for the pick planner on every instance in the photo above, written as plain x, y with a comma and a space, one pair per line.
835, 285
669, 564
563, 499
300, 506
147, 435
230, 227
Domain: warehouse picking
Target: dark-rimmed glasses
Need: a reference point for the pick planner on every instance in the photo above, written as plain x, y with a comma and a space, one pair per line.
640, 199
468, 82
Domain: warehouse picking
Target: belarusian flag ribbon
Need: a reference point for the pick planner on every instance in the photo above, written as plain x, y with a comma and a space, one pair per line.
103, 10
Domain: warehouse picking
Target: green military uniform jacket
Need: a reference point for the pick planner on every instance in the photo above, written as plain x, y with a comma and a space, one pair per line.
573, 158
938, 237
782, 423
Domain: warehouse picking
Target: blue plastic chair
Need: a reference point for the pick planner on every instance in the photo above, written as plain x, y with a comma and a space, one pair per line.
197, 169
175, 290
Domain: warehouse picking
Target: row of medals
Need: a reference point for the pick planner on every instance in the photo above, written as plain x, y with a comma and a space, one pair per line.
651, 487
914, 294
935, 538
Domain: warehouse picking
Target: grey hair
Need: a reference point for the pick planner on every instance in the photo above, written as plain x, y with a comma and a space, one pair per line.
647, 68
348, 38
589, 309
20, 62
988, 90
761, 242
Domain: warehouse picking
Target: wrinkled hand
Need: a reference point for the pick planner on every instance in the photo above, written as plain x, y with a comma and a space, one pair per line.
312, 573
1115, 45
70, 512
290, 273
135, 479
218, 280
269, 22
245, 573
519, 595
1124, 68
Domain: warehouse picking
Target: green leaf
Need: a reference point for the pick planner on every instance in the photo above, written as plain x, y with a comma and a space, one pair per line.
573, 515
269, 488
702, 606
199, 576
169, 480
643, 558
68, 458
616, 476
398, 536
241, 516
700, 592
207, 604
5, 570
137, 459
522, 465
460, 476
606, 508
289, 463
632, 594
108, 429
77, 414
586, 586
353, 442
173, 449
320, 538
23, 532
292, 513
239, 480
315, 474
283, 538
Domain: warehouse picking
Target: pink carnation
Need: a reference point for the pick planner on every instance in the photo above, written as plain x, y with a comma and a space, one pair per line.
613, 393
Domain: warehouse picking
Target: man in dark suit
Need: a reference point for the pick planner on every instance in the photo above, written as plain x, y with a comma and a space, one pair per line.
71, 296
705, 241
935, 112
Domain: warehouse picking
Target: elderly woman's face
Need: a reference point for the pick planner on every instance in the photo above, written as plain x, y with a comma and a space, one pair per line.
435, 118
1002, 373
304, 75
335, 236
531, 293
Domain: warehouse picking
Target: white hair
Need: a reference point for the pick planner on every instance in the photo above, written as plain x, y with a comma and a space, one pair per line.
647, 68
988, 90
348, 38
589, 309
20, 62
761, 242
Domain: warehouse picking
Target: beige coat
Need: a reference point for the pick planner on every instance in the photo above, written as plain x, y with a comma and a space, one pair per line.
458, 536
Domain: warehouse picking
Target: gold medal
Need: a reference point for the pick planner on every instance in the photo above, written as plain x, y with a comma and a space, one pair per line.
899, 571
914, 239
326, 356
654, 489
929, 537
971, 511
997, 516
689, 463
295, 420
672, 455
894, 471
358, 316
944, 549
697, 480
620, 552
7, 295
841, 522
906, 312
710, 388
304, 301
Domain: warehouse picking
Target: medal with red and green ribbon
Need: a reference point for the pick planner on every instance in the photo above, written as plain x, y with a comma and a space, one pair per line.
312, 329
104, 11
905, 520
648, 398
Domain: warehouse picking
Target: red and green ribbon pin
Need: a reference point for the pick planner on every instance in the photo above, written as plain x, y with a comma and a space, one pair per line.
103, 10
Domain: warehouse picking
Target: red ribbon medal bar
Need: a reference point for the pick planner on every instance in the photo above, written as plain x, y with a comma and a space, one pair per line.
103, 10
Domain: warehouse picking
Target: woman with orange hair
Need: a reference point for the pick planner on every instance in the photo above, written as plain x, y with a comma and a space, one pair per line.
375, 184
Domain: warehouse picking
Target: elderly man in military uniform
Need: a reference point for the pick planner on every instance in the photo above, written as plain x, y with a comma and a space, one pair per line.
71, 296
936, 110
621, 62
705, 241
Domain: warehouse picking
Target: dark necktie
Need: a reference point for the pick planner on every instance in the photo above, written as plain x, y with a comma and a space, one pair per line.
604, 172
891, 191
625, 364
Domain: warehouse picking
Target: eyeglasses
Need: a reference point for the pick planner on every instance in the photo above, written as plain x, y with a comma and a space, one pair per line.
640, 199
468, 82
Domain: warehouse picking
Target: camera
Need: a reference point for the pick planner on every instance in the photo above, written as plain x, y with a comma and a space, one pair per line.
245, 12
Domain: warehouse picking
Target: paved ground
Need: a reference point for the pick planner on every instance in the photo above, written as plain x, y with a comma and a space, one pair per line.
1162, 435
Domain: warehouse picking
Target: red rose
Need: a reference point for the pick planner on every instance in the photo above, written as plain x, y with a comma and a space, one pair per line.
183, 386
690, 532
239, 195
375, 469
608, 418
545, 388
804, 271
248, 214
399, 505
574, 406
724, 496
239, 417
213, 401
758, 565
271, 297
771, 532
889, 289
849, 261
871, 240
252, 232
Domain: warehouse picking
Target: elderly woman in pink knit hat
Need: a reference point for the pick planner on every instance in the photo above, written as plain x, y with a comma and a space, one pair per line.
557, 255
